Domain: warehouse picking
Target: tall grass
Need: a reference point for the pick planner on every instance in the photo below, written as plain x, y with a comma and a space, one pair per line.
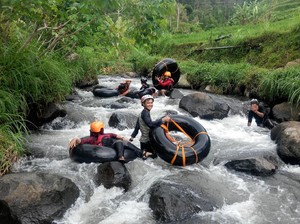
282, 83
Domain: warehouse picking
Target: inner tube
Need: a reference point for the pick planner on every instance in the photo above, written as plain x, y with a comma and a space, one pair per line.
104, 92
87, 153
178, 153
167, 64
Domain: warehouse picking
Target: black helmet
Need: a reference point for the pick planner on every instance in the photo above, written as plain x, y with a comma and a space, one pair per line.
143, 79
254, 101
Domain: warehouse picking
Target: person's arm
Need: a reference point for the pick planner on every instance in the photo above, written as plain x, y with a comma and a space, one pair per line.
166, 83
112, 135
153, 124
250, 116
135, 131
74, 142
85, 140
261, 111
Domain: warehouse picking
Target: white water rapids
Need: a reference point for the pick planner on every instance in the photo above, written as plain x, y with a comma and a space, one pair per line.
271, 199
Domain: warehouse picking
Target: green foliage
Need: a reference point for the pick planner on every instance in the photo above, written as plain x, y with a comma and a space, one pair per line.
282, 84
248, 12
225, 77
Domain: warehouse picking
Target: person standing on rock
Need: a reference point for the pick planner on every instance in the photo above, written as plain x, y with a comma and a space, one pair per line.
145, 124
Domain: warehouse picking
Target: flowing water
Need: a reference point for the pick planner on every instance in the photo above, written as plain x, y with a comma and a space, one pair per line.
269, 200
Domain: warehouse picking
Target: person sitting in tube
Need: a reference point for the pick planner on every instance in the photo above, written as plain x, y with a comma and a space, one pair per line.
166, 82
123, 88
260, 115
98, 137
145, 124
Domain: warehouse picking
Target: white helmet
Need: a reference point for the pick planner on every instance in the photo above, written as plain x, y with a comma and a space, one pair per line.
146, 97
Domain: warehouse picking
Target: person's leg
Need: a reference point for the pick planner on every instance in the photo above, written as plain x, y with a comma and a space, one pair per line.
119, 147
147, 150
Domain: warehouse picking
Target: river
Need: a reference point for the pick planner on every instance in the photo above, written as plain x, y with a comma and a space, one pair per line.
270, 200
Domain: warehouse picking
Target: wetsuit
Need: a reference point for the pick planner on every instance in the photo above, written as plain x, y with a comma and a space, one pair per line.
145, 124
107, 140
259, 120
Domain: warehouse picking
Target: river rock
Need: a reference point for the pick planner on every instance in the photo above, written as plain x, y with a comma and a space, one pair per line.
37, 197
254, 166
6, 215
176, 94
174, 202
113, 174
183, 82
78, 114
122, 120
286, 112
208, 106
287, 137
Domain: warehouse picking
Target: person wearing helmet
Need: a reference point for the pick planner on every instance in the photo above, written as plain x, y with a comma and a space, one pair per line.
258, 112
145, 124
98, 137
166, 82
123, 88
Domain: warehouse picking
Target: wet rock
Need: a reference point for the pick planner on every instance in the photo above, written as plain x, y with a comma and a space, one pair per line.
122, 120
176, 94
113, 174
78, 114
6, 215
202, 105
286, 112
287, 137
174, 202
253, 166
38, 197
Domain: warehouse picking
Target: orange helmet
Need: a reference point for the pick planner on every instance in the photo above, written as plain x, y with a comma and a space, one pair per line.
96, 126
127, 80
168, 74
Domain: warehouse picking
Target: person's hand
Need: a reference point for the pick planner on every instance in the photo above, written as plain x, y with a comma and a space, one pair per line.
166, 118
131, 139
74, 142
254, 108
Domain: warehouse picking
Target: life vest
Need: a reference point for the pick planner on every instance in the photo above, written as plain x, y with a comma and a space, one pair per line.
100, 139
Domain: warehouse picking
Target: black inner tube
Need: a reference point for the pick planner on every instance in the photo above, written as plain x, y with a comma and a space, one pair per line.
167, 64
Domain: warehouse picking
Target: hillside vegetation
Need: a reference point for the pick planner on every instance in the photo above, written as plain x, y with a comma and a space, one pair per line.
46, 47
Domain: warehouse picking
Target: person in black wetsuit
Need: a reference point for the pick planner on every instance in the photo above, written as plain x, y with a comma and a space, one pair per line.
145, 124
145, 88
258, 112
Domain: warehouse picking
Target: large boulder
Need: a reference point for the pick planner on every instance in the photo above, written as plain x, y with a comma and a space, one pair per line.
179, 198
287, 137
38, 197
113, 174
208, 106
286, 112
175, 202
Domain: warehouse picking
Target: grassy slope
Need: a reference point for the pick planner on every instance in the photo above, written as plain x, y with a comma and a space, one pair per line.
269, 45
